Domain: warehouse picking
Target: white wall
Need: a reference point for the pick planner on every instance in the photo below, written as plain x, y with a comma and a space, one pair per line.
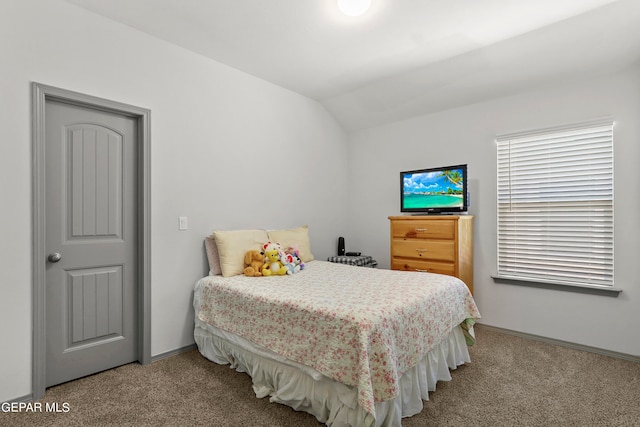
216, 134
466, 135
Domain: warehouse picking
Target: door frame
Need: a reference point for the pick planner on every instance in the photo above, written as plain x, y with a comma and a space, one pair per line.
40, 95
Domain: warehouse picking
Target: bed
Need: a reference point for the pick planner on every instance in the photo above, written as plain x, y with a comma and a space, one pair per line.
352, 346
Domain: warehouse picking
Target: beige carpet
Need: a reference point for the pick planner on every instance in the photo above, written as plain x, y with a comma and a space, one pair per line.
511, 382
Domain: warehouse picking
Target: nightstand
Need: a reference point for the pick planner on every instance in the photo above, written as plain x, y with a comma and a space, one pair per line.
360, 261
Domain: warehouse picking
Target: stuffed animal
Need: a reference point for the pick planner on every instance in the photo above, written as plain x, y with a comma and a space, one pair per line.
273, 266
253, 261
291, 263
295, 253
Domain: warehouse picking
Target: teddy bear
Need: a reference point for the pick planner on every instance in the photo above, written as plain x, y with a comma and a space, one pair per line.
253, 261
272, 255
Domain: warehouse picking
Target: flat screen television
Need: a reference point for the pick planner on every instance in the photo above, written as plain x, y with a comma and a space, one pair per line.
435, 190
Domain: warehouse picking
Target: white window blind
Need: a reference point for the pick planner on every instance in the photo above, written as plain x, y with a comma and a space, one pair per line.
555, 206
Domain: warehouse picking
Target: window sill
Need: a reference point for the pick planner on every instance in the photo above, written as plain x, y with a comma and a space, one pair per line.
584, 289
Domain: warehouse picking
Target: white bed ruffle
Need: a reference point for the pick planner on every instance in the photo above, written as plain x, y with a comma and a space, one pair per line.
335, 404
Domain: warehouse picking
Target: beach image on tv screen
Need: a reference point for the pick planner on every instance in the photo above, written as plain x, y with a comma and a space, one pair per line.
442, 189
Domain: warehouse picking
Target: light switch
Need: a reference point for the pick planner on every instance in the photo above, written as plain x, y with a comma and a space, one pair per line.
184, 223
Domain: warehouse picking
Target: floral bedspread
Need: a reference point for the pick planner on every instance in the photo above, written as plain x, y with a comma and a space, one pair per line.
360, 326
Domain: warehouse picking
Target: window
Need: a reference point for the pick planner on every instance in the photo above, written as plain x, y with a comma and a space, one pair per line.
555, 206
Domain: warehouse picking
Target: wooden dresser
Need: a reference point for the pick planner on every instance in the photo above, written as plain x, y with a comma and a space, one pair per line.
436, 244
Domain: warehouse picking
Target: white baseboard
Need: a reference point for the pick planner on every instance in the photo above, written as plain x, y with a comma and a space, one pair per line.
562, 343
173, 352
27, 398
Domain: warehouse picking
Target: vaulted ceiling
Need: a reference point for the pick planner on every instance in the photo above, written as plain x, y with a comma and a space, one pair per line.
403, 57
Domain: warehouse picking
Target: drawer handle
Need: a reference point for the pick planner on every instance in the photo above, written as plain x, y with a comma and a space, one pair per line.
420, 250
422, 271
419, 230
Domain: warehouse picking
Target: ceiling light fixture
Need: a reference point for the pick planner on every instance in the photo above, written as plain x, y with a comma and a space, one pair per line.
354, 7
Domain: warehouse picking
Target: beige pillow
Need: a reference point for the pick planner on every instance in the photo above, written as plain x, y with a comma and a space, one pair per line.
232, 246
212, 256
295, 236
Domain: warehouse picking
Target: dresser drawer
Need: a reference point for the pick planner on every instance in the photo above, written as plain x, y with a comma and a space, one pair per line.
428, 266
420, 229
442, 250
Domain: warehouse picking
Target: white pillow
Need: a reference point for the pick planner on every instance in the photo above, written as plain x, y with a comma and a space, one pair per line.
233, 245
294, 237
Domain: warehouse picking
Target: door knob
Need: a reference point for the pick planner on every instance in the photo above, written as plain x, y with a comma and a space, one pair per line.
54, 257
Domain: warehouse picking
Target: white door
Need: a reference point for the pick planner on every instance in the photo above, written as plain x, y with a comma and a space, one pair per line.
91, 220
